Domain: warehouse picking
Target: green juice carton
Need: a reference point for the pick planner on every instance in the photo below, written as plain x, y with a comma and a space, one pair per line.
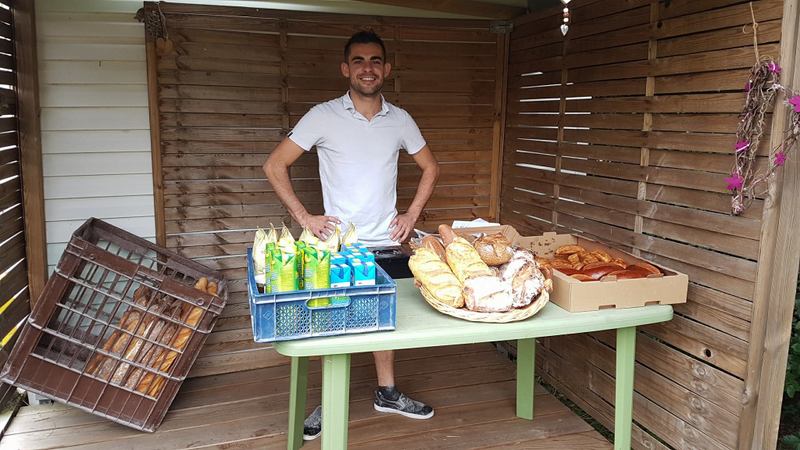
300, 247
283, 271
316, 272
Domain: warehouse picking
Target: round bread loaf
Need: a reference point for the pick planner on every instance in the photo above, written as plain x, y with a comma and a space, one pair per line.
494, 249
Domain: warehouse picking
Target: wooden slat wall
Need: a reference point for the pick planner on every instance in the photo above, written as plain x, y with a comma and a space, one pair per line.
623, 131
14, 294
240, 78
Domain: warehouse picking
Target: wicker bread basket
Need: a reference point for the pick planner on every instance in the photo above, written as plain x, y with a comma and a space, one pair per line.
493, 317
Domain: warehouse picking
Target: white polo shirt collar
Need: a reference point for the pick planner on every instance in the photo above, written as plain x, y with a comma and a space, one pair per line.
347, 103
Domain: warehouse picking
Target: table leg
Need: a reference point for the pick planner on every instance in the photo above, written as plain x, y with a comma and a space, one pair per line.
335, 401
526, 366
297, 401
623, 399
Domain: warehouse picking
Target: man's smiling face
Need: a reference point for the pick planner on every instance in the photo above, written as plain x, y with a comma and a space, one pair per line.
366, 69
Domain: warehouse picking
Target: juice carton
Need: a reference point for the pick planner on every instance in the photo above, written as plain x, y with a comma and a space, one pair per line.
351, 261
283, 271
316, 272
367, 255
300, 247
338, 258
363, 273
341, 274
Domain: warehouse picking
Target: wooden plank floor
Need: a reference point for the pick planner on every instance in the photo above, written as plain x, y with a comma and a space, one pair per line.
471, 387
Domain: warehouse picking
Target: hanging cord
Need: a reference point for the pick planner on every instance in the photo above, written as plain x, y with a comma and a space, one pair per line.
755, 33
165, 33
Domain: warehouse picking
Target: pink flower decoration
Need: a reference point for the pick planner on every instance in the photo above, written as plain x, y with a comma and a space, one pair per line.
795, 102
774, 67
748, 86
780, 158
735, 182
742, 146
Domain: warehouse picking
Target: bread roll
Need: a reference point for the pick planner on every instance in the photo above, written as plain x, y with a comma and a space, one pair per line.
625, 274
436, 277
569, 249
641, 265
582, 277
597, 271
433, 243
494, 249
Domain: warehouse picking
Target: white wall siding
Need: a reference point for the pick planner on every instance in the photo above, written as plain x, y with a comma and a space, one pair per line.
95, 129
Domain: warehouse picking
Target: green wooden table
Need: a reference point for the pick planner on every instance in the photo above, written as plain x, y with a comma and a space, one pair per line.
419, 325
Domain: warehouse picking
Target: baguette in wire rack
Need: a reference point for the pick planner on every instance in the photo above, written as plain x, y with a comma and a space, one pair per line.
149, 340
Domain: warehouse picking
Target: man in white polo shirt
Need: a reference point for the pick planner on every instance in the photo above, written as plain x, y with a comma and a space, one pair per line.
358, 138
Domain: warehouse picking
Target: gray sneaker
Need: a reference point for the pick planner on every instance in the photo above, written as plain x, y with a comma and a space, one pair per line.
404, 406
312, 426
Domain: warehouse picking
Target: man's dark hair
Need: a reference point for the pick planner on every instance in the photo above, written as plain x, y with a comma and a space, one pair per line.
363, 37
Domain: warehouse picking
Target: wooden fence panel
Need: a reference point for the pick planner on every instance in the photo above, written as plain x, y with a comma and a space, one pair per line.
623, 130
240, 78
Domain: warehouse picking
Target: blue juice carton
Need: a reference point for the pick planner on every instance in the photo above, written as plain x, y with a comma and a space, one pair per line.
349, 248
338, 258
340, 275
363, 273
367, 256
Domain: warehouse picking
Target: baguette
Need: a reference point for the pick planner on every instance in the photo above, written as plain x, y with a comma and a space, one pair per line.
464, 260
447, 234
149, 327
436, 277
152, 350
191, 317
141, 296
105, 365
433, 243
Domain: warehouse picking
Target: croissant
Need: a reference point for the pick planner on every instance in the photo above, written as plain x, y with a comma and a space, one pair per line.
436, 277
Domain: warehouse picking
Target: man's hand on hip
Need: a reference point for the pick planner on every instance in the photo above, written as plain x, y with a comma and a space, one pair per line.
401, 226
321, 226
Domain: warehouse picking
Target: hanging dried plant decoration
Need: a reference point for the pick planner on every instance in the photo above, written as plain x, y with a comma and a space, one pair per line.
744, 182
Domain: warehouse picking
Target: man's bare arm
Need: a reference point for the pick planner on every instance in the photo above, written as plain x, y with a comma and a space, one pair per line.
403, 224
276, 168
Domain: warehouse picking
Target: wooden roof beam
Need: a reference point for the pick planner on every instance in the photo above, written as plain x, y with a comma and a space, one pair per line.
465, 7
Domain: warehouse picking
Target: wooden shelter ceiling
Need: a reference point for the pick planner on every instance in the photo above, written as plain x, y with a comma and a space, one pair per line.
453, 9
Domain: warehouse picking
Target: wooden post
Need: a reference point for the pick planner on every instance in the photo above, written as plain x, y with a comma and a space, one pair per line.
155, 130
30, 146
499, 127
647, 122
779, 258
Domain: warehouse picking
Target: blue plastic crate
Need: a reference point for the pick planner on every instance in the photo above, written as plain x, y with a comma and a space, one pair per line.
286, 315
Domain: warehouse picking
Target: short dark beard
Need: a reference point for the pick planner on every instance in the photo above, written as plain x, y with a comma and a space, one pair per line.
356, 88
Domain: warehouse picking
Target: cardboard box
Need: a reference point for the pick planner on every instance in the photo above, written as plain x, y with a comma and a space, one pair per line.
576, 296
